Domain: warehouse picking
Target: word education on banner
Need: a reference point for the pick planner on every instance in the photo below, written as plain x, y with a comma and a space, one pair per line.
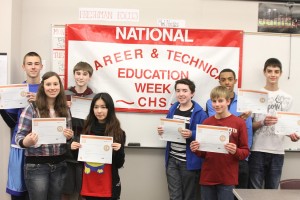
138, 66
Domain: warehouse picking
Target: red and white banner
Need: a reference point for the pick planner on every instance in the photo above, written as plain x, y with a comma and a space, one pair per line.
138, 66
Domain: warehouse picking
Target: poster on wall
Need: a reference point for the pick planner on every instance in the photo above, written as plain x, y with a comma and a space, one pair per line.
279, 18
58, 50
138, 66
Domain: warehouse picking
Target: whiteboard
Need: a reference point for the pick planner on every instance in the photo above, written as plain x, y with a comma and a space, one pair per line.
258, 47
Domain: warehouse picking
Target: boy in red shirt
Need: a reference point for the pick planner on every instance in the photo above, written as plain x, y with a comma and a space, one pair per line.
220, 171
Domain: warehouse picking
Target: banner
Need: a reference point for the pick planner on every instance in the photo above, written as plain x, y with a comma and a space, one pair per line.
138, 66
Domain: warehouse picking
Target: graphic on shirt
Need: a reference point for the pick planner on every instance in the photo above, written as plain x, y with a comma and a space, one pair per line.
95, 167
279, 103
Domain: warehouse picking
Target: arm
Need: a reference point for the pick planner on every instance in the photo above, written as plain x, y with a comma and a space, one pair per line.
209, 109
197, 119
24, 126
118, 158
241, 149
10, 117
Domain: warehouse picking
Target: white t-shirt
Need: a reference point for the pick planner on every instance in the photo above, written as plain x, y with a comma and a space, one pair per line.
264, 138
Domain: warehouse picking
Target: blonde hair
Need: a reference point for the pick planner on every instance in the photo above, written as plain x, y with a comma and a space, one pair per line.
220, 92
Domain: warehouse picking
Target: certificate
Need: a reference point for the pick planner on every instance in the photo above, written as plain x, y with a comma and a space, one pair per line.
287, 123
49, 130
212, 138
80, 107
172, 129
13, 96
252, 100
97, 149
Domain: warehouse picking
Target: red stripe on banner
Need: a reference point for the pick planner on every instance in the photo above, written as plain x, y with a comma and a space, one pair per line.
241, 61
66, 57
152, 35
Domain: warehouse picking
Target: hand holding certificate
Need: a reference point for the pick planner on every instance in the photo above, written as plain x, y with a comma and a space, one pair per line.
13, 96
252, 100
49, 130
80, 107
212, 138
97, 149
172, 130
287, 123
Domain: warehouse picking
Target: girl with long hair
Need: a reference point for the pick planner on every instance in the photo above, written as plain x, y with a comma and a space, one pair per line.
103, 182
45, 165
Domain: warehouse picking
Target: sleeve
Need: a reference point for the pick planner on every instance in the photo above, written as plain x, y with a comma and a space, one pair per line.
24, 126
209, 109
119, 156
10, 116
242, 150
198, 119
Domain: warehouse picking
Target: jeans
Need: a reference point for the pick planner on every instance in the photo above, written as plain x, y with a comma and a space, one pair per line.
45, 181
182, 183
217, 192
243, 174
265, 168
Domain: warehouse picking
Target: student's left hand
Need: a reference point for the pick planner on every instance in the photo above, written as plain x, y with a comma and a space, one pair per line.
186, 133
231, 148
68, 133
116, 146
294, 137
245, 115
31, 96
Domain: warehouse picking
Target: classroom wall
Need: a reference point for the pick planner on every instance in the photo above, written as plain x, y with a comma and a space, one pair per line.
28, 28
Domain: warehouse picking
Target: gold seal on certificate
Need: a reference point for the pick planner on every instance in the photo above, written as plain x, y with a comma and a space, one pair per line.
23, 94
60, 128
106, 147
222, 138
262, 100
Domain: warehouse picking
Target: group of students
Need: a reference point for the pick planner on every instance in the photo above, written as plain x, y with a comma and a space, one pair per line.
51, 171
217, 174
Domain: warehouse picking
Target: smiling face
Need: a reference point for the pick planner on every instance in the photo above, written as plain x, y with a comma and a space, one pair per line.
272, 74
100, 111
227, 80
51, 87
32, 66
81, 78
220, 105
183, 94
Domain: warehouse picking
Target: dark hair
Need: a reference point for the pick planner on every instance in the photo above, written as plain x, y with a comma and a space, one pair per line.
60, 104
187, 82
83, 66
113, 126
31, 54
228, 70
273, 62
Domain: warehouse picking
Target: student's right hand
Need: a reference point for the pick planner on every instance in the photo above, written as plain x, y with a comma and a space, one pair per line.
31, 96
30, 140
75, 145
160, 130
69, 103
245, 115
270, 120
194, 146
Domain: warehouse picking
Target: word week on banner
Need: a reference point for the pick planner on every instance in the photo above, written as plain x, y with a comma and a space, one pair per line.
138, 66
